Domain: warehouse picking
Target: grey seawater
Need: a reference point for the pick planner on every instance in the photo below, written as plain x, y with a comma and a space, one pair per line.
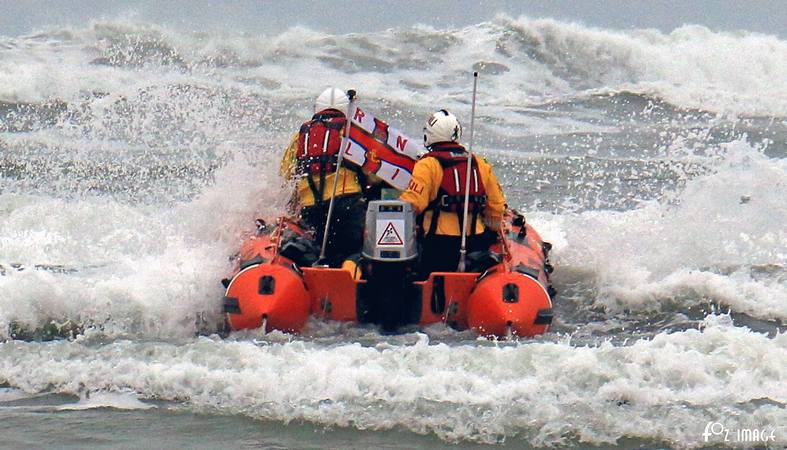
171, 426
30, 425
133, 160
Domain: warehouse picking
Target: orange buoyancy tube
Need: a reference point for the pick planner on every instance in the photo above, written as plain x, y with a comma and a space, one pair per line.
268, 294
267, 289
509, 303
518, 300
511, 298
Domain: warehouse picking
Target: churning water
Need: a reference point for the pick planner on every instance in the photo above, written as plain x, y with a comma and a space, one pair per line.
134, 158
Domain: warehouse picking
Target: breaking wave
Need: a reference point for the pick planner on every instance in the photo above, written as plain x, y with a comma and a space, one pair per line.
545, 394
718, 240
523, 62
134, 158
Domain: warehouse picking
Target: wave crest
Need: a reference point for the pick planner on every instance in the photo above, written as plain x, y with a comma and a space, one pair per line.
523, 60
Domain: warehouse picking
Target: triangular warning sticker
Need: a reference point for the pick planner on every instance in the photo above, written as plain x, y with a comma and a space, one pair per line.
390, 236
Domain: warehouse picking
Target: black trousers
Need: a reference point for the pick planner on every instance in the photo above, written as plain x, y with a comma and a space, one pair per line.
440, 253
345, 236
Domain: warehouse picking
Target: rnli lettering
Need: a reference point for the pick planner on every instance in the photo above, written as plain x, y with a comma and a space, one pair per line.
401, 142
415, 187
359, 115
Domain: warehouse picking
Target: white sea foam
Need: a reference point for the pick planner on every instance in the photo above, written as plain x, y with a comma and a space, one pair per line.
721, 239
523, 61
137, 268
150, 268
114, 400
196, 124
664, 389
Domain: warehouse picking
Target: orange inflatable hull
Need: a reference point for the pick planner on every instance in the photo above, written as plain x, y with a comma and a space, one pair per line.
512, 298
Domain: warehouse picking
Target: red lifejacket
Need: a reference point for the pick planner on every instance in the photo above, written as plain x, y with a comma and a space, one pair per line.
451, 194
319, 141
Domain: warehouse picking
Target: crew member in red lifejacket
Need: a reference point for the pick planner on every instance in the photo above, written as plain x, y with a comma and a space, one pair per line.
437, 193
311, 158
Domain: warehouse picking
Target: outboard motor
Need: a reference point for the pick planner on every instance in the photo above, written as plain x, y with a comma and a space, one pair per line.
389, 297
390, 232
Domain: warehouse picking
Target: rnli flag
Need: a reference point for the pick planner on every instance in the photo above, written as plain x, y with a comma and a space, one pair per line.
382, 150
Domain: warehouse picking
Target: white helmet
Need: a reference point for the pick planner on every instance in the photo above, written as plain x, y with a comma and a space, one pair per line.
442, 126
332, 98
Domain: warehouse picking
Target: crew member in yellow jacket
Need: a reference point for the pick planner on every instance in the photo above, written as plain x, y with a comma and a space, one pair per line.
437, 193
311, 159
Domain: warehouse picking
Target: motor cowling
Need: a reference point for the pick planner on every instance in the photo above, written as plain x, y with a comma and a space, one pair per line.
390, 234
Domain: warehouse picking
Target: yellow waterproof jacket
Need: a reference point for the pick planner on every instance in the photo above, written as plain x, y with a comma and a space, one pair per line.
348, 179
423, 188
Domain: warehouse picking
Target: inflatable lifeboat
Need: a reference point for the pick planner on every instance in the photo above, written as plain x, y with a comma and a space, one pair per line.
276, 285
